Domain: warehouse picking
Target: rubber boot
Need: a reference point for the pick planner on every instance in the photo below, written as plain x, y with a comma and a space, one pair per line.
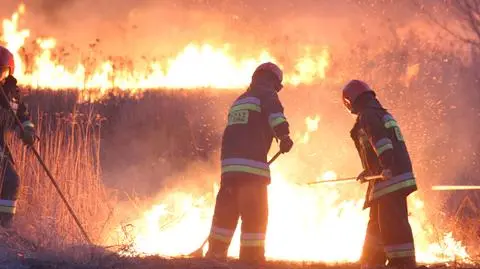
217, 250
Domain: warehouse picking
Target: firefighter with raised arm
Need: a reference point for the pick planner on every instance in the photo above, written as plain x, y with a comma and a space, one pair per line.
382, 150
10, 102
254, 120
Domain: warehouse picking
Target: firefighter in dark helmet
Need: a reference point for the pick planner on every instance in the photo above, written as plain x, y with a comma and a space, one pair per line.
10, 100
254, 120
382, 150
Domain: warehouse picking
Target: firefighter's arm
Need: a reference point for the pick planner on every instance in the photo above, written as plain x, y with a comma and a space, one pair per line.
28, 134
24, 116
365, 172
277, 120
379, 139
354, 136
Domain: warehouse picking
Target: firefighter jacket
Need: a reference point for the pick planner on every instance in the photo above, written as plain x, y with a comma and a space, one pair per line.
254, 120
380, 144
7, 120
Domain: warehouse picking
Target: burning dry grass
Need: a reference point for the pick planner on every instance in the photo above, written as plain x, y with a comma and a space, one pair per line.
151, 137
70, 147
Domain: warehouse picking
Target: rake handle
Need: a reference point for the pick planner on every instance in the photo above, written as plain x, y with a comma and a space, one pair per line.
274, 157
50, 176
343, 179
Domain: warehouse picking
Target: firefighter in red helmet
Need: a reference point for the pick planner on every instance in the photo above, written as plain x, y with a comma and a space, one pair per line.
254, 120
10, 98
382, 151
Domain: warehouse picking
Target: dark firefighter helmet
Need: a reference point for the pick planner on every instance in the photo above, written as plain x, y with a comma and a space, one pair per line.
273, 69
7, 63
352, 91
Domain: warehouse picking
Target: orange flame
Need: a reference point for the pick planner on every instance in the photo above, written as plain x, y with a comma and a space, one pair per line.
315, 223
196, 66
312, 126
306, 223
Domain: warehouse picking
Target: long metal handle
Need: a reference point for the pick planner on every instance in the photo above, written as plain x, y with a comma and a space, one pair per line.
455, 187
50, 176
343, 179
274, 157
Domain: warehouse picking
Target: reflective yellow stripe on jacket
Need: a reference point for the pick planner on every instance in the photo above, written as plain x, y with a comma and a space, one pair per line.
247, 103
276, 118
383, 145
396, 183
245, 166
400, 250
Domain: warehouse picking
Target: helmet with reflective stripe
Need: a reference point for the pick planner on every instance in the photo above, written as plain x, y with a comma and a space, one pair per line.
352, 91
270, 67
7, 63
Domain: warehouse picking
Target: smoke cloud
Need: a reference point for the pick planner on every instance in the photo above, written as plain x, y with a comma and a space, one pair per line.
157, 28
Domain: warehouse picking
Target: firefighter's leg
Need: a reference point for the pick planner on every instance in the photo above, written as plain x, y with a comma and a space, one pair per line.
396, 231
373, 254
9, 194
224, 222
253, 201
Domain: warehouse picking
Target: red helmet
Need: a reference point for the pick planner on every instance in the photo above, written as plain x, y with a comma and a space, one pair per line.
271, 67
352, 91
7, 63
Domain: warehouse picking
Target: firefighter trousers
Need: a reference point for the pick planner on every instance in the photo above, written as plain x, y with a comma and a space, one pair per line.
248, 201
9, 182
389, 235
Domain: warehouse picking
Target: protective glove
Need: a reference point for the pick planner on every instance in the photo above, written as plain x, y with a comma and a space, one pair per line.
286, 144
386, 174
362, 176
28, 135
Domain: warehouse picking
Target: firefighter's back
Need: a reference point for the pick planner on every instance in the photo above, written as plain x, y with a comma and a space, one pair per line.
247, 139
402, 162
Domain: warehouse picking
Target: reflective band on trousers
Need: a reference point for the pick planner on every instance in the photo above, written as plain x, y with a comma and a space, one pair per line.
276, 118
383, 145
247, 103
221, 234
246, 166
28, 124
7, 206
252, 239
400, 251
396, 183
